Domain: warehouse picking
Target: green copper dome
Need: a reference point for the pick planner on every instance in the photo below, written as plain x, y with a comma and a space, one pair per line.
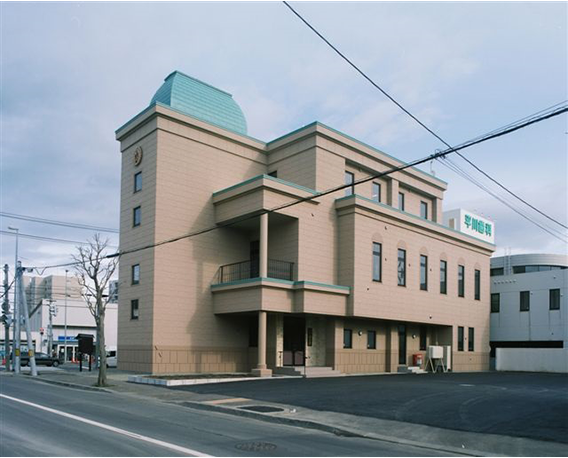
202, 101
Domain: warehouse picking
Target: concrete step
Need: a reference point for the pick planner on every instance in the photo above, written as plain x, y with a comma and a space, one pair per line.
310, 371
410, 370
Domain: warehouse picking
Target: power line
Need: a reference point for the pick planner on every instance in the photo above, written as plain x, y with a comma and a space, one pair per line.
393, 100
36, 219
441, 154
40, 237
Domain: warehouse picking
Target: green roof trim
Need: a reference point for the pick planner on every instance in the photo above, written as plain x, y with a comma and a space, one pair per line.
317, 123
268, 177
202, 101
433, 223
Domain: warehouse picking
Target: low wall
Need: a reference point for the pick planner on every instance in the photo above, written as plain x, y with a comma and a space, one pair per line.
532, 359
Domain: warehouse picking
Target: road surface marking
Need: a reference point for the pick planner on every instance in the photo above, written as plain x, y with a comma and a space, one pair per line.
177, 448
466, 384
225, 401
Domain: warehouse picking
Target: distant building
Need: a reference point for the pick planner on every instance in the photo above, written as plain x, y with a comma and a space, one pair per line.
44, 293
360, 280
529, 301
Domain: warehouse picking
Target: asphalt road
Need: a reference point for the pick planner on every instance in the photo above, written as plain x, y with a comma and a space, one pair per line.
512, 404
59, 422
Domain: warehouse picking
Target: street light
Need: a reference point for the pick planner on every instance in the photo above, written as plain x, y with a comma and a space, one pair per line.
16, 361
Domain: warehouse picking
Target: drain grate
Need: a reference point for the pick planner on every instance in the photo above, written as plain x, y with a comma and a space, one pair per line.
256, 446
263, 409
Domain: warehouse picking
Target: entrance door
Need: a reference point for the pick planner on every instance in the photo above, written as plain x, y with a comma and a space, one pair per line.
294, 341
402, 344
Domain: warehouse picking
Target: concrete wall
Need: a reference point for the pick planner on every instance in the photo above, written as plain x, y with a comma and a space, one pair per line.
532, 359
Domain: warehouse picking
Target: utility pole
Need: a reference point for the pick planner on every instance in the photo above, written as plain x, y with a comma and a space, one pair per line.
65, 333
52, 313
6, 319
26, 314
17, 314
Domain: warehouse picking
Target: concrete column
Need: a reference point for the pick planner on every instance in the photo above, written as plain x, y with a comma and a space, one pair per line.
437, 216
392, 193
263, 245
261, 370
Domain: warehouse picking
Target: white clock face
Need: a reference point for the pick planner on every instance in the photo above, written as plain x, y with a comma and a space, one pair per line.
138, 156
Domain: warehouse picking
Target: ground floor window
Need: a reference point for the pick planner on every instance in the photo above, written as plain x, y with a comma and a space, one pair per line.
371, 340
460, 338
471, 340
347, 338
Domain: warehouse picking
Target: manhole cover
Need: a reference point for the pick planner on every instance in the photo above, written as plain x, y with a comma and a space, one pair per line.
256, 446
263, 409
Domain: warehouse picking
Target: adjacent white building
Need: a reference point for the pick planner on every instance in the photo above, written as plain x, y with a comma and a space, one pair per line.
529, 306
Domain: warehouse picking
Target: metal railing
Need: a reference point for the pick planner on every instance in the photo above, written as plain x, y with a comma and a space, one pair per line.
283, 270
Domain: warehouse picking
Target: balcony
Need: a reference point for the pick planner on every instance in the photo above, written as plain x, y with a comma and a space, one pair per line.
281, 270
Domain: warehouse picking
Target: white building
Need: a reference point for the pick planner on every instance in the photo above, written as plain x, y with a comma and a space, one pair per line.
70, 316
529, 306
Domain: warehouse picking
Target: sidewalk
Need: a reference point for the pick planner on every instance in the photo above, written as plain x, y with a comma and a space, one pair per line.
432, 438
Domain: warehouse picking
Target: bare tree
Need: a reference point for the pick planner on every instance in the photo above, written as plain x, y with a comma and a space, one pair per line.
94, 271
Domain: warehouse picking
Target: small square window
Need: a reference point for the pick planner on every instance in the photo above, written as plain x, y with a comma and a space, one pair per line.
138, 182
347, 338
136, 216
134, 310
136, 274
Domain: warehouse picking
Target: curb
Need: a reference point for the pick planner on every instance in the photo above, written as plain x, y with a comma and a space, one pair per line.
73, 385
331, 429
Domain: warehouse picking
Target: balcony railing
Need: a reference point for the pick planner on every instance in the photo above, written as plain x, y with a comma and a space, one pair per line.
282, 270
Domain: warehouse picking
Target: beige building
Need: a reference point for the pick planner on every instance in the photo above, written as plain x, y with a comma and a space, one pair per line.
359, 280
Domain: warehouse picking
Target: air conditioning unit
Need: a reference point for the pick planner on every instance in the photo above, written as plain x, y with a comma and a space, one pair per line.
435, 352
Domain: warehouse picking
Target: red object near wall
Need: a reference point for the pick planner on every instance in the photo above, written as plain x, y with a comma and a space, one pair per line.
417, 359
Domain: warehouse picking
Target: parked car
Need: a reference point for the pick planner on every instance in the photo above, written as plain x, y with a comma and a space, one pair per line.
42, 359
111, 359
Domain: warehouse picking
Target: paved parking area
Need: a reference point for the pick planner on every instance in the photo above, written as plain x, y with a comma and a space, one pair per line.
513, 404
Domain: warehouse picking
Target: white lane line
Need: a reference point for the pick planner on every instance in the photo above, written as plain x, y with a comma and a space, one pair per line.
177, 448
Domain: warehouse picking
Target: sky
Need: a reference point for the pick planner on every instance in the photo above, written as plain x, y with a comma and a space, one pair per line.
72, 73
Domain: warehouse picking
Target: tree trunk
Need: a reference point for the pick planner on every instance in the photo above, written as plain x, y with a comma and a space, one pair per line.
102, 381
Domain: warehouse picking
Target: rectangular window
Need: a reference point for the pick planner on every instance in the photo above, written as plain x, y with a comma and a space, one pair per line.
525, 301
310, 337
138, 182
443, 277
401, 267
477, 285
423, 338
423, 210
496, 271
461, 281
347, 338
371, 340
470, 339
134, 311
349, 179
460, 338
136, 216
377, 263
495, 302
376, 195
423, 273
401, 201
136, 274
554, 296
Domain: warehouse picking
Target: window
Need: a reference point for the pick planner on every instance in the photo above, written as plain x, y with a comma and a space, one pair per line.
423, 338
443, 277
376, 195
310, 337
477, 289
136, 274
495, 302
273, 174
134, 311
138, 182
371, 340
401, 201
461, 277
347, 338
496, 271
377, 263
136, 216
423, 273
554, 299
349, 179
460, 338
525, 301
401, 267
423, 210
470, 339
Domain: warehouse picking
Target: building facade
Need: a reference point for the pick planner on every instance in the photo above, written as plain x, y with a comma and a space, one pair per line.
529, 307
358, 280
